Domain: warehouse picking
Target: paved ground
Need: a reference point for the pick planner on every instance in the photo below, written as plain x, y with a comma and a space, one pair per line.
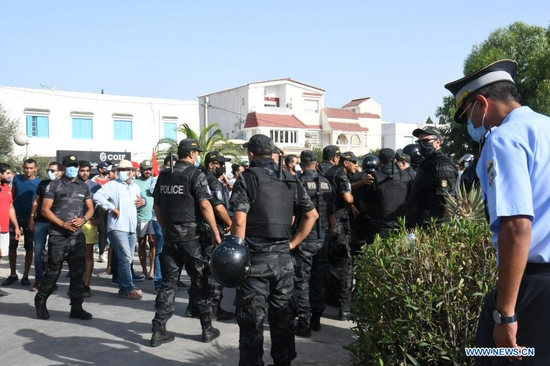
120, 332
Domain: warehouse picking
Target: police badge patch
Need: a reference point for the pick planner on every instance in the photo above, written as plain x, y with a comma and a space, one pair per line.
219, 196
311, 186
444, 183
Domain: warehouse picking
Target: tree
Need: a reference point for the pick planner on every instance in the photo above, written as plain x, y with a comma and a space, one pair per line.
8, 128
530, 47
209, 138
429, 121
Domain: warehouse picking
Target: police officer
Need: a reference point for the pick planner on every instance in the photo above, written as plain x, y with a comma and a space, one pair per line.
339, 249
264, 199
215, 168
62, 206
517, 197
469, 177
435, 179
414, 153
311, 261
403, 163
331, 158
181, 203
385, 200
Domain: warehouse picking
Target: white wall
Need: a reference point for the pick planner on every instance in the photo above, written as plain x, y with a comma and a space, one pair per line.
398, 135
227, 109
147, 120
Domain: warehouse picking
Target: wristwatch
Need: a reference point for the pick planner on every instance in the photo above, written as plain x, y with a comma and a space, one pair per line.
501, 319
85, 219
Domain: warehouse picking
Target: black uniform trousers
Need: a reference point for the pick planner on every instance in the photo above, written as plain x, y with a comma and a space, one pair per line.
532, 309
311, 275
342, 272
174, 255
270, 283
73, 249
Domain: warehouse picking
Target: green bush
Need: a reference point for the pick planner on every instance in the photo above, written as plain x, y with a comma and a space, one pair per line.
417, 301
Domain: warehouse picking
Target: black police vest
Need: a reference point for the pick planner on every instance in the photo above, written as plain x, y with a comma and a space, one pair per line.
177, 202
271, 206
320, 191
332, 175
389, 196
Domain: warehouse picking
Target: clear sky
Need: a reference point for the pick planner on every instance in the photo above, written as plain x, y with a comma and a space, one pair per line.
400, 53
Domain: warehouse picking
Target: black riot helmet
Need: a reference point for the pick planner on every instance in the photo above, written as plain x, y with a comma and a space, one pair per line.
371, 163
412, 151
230, 261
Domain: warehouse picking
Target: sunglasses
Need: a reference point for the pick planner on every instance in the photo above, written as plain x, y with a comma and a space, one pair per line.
51, 170
425, 141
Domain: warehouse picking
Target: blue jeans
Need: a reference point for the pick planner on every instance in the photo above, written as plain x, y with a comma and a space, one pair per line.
160, 242
40, 234
124, 245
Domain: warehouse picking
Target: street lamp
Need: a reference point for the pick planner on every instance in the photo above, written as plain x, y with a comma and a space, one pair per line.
22, 139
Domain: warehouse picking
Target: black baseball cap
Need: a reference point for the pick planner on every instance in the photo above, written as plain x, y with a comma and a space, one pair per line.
215, 156
349, 155
386, 155
189, 144
331, 151
308, 156
260, 144
70, 160
429, 130
403, 157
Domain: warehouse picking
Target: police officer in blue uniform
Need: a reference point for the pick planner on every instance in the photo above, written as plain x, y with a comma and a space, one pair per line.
264, 199
311, 260
517, 195
181, 204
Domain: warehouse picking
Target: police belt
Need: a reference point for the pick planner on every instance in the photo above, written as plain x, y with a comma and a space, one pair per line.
534, 268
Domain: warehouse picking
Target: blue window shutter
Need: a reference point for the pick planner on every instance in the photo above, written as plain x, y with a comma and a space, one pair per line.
123, 130
42, 126
29, 126
170, 130
82, 128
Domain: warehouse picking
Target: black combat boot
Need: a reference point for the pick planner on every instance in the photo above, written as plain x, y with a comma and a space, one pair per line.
41, 310
219, 314
209, 333
315, 322
78, 313
302, 328
161, 336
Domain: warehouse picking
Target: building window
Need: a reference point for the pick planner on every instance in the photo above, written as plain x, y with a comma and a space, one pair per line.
170, 130
311, 106
408, 140
355, 140
365, 139
122, 130
286, 137
38, 126
342, 140
83, 128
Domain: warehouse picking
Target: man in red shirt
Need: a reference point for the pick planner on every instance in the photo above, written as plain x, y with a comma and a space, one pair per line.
7, 212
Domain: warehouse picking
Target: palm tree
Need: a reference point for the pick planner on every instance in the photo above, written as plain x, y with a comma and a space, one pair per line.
209, 138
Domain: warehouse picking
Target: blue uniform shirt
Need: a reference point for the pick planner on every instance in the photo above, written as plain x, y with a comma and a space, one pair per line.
513, 173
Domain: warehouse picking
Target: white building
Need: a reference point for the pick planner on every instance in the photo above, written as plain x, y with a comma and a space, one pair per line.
72, 121
293, 114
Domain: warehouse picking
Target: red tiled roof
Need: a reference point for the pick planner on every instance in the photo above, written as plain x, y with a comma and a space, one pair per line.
355, 102
254, 119
340, 113
352, 127
368, 115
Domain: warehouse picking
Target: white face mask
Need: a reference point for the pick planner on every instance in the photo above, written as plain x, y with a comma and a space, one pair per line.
297, 168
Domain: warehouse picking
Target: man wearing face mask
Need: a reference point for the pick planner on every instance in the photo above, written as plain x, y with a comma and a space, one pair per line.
121, 198
215, 170
181, 202
435, 178
291, 164
513, 175
39, 225
62, 205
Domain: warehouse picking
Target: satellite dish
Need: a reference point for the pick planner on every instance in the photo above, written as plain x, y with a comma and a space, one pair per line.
21, 139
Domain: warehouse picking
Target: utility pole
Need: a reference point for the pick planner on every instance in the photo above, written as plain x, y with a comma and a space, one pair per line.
206, 105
